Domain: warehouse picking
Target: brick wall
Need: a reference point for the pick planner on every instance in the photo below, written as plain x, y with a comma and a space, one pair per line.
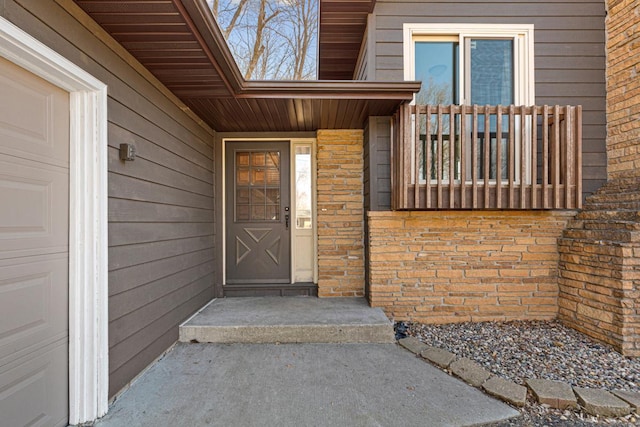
453, 266
623, 88
340, 213
599, 280
599, 266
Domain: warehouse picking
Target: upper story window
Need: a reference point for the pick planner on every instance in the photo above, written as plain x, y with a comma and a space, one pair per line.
470, 64
483, 64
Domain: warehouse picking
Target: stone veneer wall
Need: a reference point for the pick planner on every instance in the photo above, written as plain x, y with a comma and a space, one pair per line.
623, 88
600, 252
600, 267
454, 266
340, 207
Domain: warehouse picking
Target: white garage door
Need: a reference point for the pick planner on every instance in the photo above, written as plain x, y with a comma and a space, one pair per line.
34, 260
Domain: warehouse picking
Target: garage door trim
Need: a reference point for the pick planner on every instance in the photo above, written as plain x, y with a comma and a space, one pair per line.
88, 315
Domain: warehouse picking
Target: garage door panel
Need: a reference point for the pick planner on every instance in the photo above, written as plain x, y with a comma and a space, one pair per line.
34, 242
34, 305
35, 392
35, 124
36, 204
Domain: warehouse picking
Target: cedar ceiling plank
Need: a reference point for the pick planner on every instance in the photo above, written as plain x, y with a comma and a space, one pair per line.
344, 17
145, 27
270, 114
364, 113
308, 114
341, 21
191, 72
246, 113
337, 61
317, 113
214, 91
229, 120
171, 54
205, 109
349, 6
171, 66
333, 113
282, 114
152, 37
324, 118
298, 108
197, 89
144, 45
129, 7
341, 114
273, 117
105, 19
345, 27
291, 113
224, 117
257, 110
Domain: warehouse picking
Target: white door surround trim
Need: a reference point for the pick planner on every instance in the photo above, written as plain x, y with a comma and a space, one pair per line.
88, 268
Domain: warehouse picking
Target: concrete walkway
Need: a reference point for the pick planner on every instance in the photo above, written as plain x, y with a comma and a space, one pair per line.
299, 385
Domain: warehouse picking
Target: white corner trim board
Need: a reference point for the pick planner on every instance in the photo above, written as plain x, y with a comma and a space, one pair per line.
88, 315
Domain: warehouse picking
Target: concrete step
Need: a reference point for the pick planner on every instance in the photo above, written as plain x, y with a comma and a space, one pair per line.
288, 320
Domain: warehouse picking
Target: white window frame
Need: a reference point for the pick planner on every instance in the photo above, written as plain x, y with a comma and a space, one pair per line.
523, 44
522, 35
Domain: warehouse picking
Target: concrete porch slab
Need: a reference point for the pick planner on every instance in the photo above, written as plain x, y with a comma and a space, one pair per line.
288, 320
299, 385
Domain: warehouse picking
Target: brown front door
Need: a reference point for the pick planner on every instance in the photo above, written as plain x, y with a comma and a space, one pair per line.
258, 239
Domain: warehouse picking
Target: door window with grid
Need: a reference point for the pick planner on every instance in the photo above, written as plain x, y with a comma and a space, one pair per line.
257, 186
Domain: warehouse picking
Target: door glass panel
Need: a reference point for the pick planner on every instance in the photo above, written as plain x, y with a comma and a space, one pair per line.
257, 159
492, 83
243, 196
242, 213
437, 67
303, 187
242, 176
242, 159
273, 176
257, 196
257, 186
258, 213
491, 71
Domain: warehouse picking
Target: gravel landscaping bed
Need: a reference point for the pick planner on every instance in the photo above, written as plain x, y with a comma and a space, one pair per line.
521, 350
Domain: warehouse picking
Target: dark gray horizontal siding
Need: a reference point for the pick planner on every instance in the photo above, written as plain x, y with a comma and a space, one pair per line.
161, 231
569, 54
367, 165
127, 358
378, 162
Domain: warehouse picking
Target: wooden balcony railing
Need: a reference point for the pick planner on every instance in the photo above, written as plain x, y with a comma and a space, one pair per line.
486, 157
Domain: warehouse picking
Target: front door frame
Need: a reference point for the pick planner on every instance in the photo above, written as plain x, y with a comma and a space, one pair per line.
88, 266
285, 207
220, 166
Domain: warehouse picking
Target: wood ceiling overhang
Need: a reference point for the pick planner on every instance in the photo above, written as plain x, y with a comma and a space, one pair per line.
180, 43
342, 27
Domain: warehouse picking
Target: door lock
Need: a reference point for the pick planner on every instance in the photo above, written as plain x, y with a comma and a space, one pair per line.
286, 217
